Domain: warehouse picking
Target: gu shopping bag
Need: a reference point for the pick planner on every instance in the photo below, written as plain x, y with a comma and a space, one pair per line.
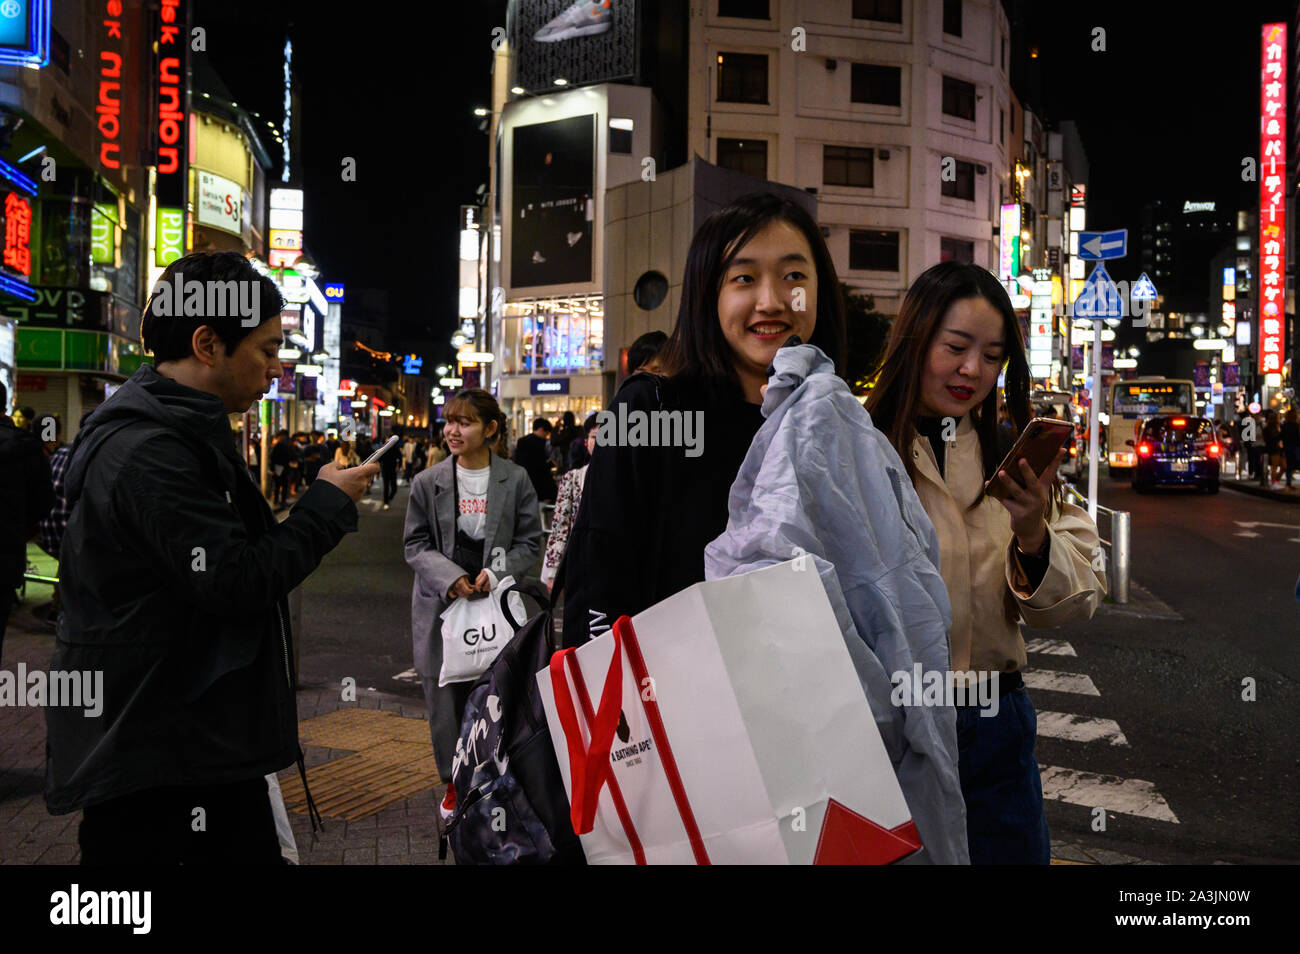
473, 632
725, 725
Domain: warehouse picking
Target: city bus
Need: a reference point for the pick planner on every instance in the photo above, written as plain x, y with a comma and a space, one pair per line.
1132, 402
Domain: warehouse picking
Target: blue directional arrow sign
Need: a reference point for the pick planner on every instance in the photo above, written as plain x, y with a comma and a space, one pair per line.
1143, 290
1094, 246
1099, 297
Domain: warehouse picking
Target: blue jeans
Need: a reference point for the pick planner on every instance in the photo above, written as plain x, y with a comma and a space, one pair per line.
1005, 824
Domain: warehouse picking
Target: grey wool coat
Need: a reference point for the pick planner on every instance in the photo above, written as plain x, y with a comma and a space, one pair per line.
513, 531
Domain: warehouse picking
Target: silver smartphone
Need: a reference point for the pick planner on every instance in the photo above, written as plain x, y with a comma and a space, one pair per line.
382, 451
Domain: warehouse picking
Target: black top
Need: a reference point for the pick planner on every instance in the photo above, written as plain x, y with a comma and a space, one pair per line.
26, 494
648, 512
530, 454
932, 429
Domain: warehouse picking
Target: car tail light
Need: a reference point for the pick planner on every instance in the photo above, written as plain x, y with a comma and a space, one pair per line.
1074, 451
1179, 422
1213, 450
1144, 450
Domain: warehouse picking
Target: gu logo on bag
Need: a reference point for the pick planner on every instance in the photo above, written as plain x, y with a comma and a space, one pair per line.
626, 754
474, 635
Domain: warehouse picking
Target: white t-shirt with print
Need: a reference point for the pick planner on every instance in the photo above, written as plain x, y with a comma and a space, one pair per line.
472, 518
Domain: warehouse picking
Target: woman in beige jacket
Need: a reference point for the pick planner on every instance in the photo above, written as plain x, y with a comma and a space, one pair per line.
1029, 556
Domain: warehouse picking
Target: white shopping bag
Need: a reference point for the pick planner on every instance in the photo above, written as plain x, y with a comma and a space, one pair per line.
283, 830
725, 725
473, 632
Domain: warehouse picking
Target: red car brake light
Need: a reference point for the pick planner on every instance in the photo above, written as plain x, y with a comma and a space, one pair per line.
1179, 422
1214, 450
1144, 450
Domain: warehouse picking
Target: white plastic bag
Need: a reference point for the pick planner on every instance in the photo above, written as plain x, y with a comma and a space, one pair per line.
473, 632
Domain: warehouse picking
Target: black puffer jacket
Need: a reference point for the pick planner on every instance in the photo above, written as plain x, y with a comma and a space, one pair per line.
26, 493
174, 576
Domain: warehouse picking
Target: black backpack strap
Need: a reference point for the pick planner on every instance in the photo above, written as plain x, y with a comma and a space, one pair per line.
528, 587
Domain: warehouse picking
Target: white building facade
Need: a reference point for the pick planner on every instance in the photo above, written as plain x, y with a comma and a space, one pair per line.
896, 113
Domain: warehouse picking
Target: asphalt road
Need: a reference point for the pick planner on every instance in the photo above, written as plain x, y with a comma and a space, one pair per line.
356, 607
1200, 774
1225, 567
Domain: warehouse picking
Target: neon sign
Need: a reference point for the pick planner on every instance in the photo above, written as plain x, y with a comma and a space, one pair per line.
18, 234
1009, 235
109, 107
1272, 196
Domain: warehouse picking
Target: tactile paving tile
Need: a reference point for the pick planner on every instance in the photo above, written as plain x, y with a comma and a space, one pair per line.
391, 760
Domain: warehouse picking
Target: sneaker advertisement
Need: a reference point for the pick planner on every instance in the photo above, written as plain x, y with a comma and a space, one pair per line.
582, 42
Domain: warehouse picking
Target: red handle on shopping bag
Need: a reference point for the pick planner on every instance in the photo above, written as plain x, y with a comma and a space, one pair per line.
588, 767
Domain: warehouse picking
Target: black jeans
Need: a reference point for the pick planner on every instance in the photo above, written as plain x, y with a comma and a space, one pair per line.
390, 485
157, 827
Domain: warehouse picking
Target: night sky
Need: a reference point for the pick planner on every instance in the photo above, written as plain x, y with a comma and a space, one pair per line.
1168, 110
394, 86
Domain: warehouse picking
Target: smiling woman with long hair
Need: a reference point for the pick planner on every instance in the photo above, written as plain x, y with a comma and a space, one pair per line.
757, 272
1027, 555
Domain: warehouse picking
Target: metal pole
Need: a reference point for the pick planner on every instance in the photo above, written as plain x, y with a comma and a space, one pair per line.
1094, 434
1119, 557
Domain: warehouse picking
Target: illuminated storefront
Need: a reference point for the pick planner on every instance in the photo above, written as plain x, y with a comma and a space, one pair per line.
559, 342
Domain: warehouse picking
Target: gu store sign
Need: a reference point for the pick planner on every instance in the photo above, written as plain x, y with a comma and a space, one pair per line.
1272, 197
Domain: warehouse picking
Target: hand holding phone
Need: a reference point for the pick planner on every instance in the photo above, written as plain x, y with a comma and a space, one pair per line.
1040, 445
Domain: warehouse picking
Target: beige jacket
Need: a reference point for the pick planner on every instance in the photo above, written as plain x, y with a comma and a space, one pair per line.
987, 587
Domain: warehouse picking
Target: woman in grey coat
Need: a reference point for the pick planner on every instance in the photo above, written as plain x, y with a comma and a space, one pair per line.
471, 519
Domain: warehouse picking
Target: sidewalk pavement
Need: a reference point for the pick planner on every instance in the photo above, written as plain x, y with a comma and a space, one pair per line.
1247, 485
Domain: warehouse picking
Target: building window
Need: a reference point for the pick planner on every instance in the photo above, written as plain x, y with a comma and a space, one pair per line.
742, 78
886, 11
959, 98
956, 250
963, 186
744, 155
848, 166
620, 136
880, 85
1004, 54
873, 251
1002, 125
744, 9
952, 17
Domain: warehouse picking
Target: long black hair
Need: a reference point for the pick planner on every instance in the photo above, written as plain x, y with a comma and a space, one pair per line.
697, 348
895, 401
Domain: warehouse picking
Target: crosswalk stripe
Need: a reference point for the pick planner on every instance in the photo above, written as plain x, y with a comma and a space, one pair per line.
1126, 796
1055, 681
1074, 728
1050, 647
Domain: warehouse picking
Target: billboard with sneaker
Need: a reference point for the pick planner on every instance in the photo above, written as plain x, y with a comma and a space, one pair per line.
583, 42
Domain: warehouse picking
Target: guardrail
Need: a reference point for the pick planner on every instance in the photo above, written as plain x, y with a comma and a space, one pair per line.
1119, 546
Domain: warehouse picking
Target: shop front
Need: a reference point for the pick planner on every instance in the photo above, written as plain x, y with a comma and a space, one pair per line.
551, 355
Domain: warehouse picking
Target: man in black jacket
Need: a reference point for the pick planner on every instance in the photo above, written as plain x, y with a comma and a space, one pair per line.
530, 454
175, 575
26, 493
